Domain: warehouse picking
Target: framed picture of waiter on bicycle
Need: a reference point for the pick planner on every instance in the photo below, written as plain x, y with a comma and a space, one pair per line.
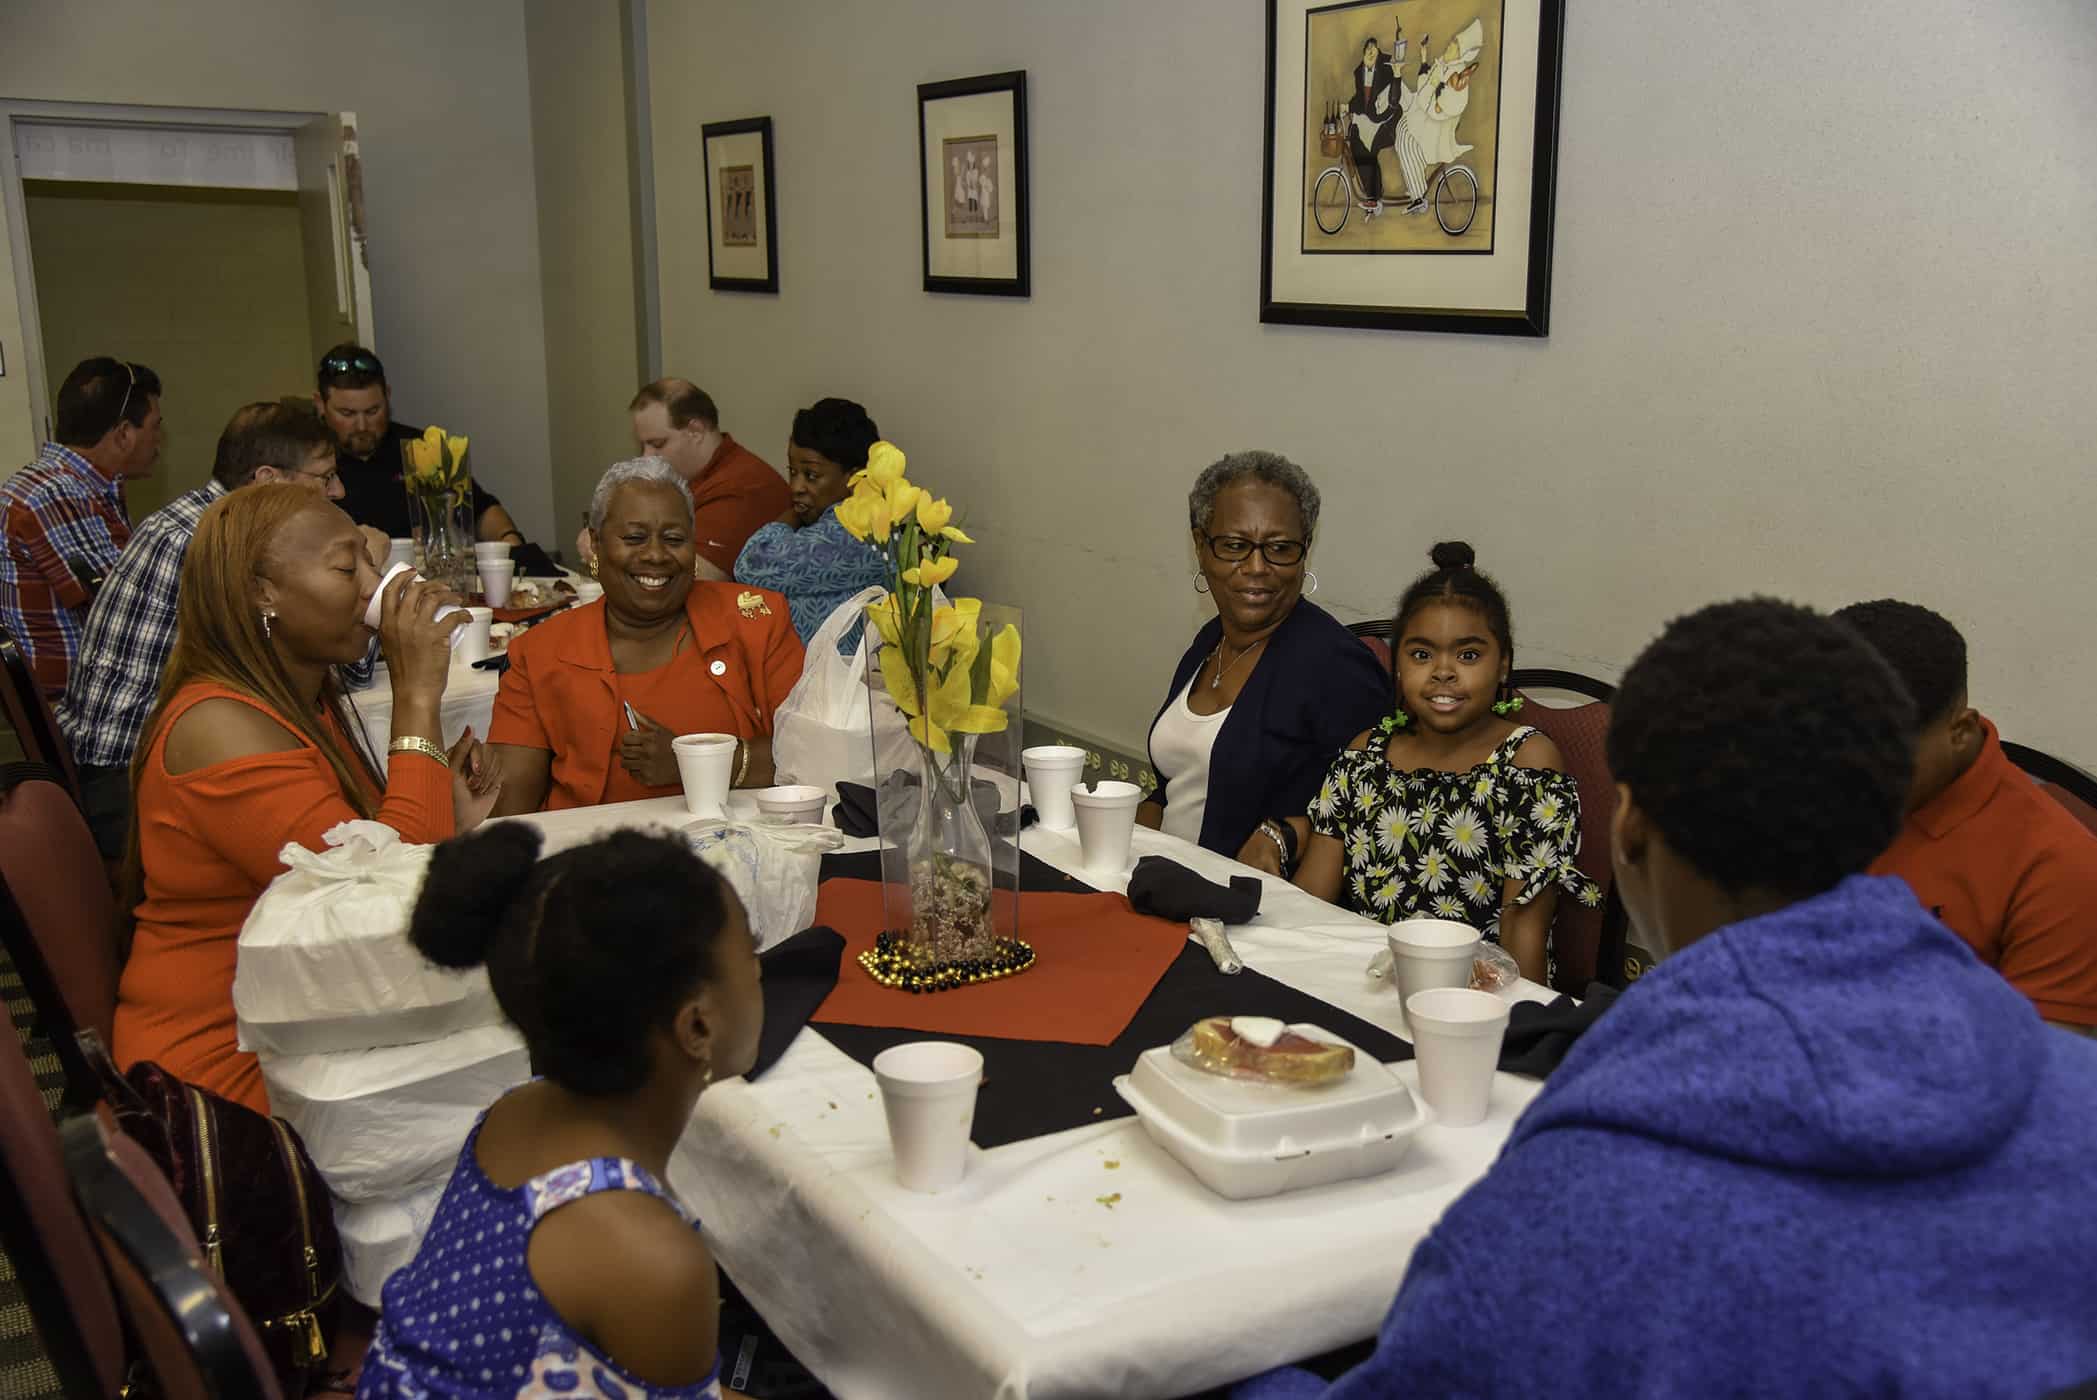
1411, 163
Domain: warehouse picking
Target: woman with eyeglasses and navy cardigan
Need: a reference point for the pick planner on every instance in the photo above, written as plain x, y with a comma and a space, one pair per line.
1272, 687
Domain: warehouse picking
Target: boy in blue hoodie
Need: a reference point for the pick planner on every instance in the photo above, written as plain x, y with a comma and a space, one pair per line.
1821, 1149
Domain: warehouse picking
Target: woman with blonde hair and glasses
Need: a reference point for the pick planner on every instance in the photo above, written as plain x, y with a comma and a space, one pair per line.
251, 745
1272, 687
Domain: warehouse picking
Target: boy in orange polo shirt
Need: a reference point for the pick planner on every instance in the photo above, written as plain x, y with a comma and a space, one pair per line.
1984, 848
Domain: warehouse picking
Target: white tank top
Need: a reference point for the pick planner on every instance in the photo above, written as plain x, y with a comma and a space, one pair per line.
1180, 743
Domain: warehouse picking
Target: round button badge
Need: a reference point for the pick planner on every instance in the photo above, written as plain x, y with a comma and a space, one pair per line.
719, 668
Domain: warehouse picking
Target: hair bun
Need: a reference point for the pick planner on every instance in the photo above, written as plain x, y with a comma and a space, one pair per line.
468, 892
1453, 554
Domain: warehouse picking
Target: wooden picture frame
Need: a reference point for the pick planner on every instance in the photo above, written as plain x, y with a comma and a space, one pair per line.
742, 224
972, 185
1446, 226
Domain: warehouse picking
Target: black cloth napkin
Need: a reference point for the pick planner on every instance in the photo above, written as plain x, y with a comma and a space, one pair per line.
858, 809
1172, 891
798, 975
1032, 1087
1539, 1035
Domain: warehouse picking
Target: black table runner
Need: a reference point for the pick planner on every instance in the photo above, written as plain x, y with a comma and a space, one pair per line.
1031, 1087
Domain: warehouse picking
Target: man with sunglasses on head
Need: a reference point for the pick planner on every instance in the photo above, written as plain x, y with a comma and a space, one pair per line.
131, 627
356, 404
63, 515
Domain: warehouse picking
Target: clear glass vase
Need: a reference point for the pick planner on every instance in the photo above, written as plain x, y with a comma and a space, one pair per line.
441, 521
949, 824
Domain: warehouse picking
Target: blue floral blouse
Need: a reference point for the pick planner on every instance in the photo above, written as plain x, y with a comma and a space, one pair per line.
1430, 844
817, 567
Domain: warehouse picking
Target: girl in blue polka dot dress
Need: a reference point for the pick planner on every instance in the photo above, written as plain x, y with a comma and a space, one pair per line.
558, 1264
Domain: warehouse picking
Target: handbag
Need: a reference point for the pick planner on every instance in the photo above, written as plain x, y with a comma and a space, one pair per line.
258, 1205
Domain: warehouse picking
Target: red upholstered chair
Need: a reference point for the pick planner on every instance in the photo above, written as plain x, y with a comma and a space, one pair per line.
58, 920
48, 1243
2063, 781
1577, 932
197, 1339
1376, 636
29, 715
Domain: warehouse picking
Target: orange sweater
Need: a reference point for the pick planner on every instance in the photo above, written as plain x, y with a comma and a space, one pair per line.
208, 841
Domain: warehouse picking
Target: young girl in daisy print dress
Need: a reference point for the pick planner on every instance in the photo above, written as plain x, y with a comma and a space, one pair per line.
1451, 808
558, 1264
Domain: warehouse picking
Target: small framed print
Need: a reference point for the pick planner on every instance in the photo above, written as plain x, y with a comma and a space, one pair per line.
972, 177
742, 231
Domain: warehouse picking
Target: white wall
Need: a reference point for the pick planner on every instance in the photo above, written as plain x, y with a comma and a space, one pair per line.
1824, 325
444, 116
593, 361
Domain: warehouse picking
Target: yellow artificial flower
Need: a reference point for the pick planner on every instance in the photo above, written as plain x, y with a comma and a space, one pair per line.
953, 532
433, 435
895, 674
928, 732
883, 615
980, 719
457, 447
1004, 665
932, 572
854, 513
903, 500
884, 464
933, 515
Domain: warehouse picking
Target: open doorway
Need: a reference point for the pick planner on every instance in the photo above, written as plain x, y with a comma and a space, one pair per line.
226, 250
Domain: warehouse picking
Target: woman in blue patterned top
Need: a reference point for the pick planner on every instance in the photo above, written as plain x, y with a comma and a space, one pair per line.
1449, 809
558, 1263
806, 554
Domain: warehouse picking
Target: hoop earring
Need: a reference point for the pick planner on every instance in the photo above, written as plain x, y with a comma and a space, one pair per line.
1201, 582
267, 619
1311, 576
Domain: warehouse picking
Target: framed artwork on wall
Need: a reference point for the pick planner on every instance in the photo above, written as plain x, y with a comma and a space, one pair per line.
742, 229
972, 184
1411, 163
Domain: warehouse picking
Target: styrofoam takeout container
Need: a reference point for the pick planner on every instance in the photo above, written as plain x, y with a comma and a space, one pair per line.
1242, 1138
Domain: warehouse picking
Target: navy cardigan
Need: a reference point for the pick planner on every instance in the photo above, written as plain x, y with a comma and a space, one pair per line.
1314, 688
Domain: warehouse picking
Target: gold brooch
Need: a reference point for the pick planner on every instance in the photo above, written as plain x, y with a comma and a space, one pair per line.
753, 604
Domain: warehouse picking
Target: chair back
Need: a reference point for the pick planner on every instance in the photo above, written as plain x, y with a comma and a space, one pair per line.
57, 917
1376, 636
48, 1242
2065, 783
29, 714
198, 1340
1577, 931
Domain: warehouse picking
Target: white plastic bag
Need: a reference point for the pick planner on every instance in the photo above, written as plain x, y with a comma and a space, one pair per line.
325, 963
774, 869
380, 1237
823, 732
381, 1124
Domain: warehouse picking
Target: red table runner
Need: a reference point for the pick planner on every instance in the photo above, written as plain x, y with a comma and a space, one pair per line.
1096, 960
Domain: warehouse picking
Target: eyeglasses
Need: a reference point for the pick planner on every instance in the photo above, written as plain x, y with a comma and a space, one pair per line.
326, 478
125, 406
1233, 549
356, 362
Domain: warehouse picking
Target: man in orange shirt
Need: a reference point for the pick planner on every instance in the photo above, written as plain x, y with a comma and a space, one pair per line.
1984, 848
734, 491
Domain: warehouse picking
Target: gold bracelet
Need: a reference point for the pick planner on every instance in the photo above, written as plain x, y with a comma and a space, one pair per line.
415, 743
742, 768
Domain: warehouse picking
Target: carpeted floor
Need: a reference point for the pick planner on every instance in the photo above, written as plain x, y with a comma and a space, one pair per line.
24, 1373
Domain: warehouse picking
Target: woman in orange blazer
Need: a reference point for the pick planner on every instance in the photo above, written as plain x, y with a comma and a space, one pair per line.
683, 657
249, 748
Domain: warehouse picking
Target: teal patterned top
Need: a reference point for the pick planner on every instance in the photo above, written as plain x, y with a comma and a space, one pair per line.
1430, 844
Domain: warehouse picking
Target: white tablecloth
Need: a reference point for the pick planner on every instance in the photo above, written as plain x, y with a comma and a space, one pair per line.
1084, 1264
469, 698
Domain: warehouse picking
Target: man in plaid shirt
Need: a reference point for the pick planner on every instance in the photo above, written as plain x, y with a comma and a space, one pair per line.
131, 627
63, 515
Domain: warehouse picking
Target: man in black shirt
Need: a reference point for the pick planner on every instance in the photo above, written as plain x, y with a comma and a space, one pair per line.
354, 402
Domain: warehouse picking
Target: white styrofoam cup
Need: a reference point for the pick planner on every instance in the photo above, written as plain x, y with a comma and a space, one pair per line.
1106, 815
1456, 1038
928, 1089
705, 762
1052, 770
